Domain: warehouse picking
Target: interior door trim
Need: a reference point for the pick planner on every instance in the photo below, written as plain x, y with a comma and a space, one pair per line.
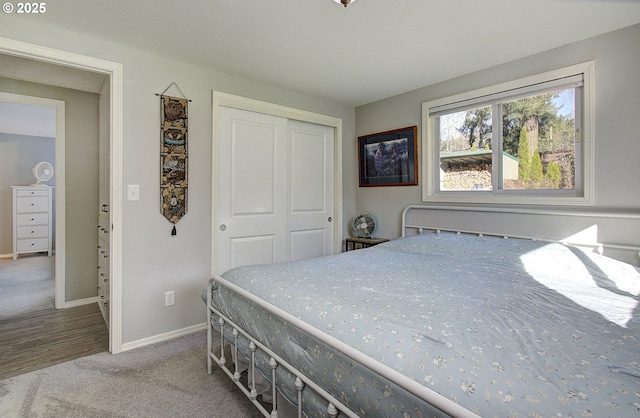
244, 103
115, 72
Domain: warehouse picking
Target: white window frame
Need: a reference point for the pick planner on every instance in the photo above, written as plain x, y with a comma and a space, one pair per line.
584, 195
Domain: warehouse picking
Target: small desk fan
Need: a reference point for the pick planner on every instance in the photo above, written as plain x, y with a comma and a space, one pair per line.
43, 171
365, 225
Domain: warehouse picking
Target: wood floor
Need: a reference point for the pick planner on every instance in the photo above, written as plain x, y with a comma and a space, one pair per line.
40, 339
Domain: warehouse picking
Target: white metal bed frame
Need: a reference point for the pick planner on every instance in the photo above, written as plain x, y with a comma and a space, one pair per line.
334, 406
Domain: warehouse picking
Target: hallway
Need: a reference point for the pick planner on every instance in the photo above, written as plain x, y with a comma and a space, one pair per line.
35, 340
33, 334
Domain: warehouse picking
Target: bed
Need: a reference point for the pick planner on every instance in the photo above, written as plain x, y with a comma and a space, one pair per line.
437, 324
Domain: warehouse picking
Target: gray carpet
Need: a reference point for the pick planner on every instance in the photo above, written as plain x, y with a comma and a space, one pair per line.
26, 285
167, 379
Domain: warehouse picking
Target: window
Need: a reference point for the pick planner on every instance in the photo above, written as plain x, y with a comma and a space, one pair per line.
529, 141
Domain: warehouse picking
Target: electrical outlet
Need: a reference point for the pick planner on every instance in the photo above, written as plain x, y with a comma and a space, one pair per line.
169, 298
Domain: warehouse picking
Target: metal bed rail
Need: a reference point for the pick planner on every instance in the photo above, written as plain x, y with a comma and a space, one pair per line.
599, 247
334, 406
595, 247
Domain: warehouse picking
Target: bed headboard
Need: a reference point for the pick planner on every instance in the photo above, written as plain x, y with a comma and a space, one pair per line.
576, 228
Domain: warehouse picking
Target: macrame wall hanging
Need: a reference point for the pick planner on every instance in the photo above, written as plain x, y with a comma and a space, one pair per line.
174, 156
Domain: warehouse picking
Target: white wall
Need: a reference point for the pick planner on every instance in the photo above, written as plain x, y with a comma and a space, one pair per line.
617, 89
153, 260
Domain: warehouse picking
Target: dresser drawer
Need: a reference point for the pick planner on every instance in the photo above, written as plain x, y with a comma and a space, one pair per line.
33, 244
103, 229
32, 193
32, 204
32, 219
32, 232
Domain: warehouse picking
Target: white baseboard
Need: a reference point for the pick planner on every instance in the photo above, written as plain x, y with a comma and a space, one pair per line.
80, 302
10, 255
163, 337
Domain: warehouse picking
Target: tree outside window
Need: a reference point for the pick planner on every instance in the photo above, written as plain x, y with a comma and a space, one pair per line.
528, 141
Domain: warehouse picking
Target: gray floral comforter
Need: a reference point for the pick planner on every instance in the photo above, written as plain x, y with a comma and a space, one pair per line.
505, 328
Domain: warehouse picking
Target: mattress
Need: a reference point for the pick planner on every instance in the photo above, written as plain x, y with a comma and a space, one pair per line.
503, 327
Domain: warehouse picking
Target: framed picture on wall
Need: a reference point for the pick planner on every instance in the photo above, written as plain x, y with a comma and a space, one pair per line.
389, 158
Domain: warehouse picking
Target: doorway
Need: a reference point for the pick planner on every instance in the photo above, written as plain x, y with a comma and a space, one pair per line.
114, 90
51, 116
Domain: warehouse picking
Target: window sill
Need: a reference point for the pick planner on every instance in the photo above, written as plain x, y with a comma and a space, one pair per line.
503, 199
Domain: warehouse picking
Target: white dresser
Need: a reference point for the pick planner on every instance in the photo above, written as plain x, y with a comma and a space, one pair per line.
32, 219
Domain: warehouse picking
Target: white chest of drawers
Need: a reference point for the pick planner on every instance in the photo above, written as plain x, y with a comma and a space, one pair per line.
32, 219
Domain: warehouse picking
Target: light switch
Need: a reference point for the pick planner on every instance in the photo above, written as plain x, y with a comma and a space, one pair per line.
133, 192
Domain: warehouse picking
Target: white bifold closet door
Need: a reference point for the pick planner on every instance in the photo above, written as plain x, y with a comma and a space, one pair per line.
274, 189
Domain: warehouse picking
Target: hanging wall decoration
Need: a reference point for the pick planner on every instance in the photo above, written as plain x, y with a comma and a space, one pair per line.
174, 156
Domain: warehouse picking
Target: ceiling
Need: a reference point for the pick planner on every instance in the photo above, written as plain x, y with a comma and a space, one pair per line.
368, 51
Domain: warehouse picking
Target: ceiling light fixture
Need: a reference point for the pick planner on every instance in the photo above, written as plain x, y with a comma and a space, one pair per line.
345, 3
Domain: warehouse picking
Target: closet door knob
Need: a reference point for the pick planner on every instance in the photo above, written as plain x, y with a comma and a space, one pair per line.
223, 227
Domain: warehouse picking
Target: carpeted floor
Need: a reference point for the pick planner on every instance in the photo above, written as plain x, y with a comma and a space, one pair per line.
163, 380
168, 379
26, 284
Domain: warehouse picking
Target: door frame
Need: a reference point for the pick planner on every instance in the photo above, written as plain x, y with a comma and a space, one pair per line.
244, 103
114, 71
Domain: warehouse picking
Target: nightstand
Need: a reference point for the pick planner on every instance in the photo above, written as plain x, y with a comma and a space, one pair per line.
352, 243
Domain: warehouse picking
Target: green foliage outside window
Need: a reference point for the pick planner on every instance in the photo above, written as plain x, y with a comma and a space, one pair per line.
524, 166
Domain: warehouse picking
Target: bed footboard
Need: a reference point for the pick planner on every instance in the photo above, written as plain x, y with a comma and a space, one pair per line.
307, 389
218, 356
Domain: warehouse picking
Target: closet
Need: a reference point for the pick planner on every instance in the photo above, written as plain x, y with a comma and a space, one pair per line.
274, 189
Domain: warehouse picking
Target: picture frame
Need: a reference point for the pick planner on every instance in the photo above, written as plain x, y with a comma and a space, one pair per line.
388, 158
